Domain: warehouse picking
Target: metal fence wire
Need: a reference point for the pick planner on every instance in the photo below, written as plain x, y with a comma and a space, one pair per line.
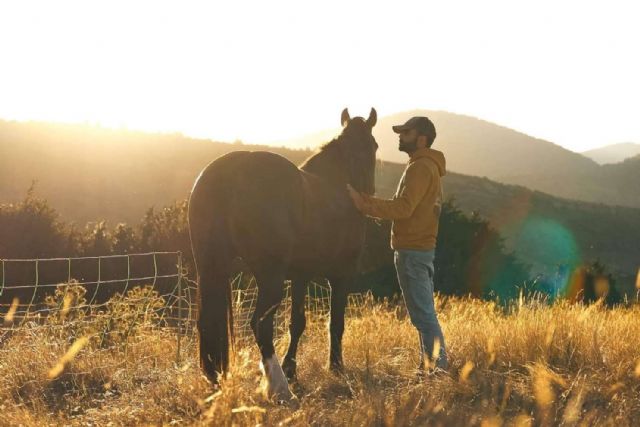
109, 297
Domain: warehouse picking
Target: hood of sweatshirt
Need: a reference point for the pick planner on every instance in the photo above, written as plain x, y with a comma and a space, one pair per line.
435, 156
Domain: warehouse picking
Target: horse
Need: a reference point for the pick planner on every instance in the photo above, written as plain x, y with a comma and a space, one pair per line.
284, 222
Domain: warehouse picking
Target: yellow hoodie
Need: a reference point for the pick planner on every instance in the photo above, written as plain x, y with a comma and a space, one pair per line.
415, 208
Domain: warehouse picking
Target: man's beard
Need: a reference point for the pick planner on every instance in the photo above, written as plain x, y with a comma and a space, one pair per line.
408, 146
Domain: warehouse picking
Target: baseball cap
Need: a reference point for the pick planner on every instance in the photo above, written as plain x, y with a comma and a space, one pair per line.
422, 124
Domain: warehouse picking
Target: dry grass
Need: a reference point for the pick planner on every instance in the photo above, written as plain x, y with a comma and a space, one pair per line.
538, 365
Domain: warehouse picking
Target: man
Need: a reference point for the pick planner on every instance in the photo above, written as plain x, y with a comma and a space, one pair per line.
415, 211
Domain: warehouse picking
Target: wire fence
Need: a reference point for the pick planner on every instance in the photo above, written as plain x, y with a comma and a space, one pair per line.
317, 306
112, 298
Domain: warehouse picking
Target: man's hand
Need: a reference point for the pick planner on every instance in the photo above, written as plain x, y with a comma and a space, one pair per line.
357, 198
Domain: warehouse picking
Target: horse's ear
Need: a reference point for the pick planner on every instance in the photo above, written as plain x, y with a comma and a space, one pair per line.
373, 118
344, 118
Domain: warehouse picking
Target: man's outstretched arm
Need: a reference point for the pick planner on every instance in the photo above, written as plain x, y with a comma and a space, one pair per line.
417, 181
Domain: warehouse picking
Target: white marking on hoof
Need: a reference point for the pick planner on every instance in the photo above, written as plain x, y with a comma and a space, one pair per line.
277, 387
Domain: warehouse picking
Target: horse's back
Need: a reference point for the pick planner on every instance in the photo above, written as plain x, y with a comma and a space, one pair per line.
256, 197
243, 173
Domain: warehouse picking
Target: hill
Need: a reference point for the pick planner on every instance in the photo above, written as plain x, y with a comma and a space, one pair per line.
90, 173
614, 153
543, 230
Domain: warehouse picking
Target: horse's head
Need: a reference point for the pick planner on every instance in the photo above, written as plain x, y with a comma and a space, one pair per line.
359, 149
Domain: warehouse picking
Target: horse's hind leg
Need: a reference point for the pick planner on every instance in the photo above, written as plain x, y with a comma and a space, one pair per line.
296, 327
336, 325
270, 291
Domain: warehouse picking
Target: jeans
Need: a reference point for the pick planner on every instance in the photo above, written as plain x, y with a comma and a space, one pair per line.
415, 275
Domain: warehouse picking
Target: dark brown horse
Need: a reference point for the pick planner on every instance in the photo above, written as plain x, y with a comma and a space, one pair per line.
285, 222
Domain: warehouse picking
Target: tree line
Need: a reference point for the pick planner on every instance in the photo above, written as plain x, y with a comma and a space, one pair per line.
470, 258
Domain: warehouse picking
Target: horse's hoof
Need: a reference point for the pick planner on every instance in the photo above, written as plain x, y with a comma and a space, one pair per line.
336, 368
282, 397
293, 402
277, 387
278, 393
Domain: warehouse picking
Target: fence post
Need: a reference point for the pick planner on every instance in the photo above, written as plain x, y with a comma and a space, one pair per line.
2, 288
95, 293
155, 271
35, 291
126, 286
179, 307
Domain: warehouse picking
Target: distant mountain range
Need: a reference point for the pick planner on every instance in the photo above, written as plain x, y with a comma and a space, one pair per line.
480, 148
614, 153
90, 174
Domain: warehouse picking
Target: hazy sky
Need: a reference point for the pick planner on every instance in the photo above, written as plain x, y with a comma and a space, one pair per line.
268, 70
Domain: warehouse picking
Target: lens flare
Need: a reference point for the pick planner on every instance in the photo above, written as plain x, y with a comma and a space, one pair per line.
553, 248
547, 246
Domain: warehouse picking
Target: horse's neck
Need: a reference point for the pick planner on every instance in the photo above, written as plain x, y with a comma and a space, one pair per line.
328, 186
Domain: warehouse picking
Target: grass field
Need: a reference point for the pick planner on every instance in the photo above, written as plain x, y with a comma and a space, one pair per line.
535, 365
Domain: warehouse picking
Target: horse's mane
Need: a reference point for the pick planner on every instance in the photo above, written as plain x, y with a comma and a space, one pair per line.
335, 141
320, 155
330, 144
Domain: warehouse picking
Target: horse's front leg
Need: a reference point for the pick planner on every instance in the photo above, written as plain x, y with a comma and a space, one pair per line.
336, 326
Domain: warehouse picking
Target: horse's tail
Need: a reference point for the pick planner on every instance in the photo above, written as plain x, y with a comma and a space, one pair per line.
215, 324
215, 313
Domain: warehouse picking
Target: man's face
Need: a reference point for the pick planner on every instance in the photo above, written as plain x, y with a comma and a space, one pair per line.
408, 141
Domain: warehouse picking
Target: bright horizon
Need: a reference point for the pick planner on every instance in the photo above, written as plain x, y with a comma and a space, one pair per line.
264, 73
